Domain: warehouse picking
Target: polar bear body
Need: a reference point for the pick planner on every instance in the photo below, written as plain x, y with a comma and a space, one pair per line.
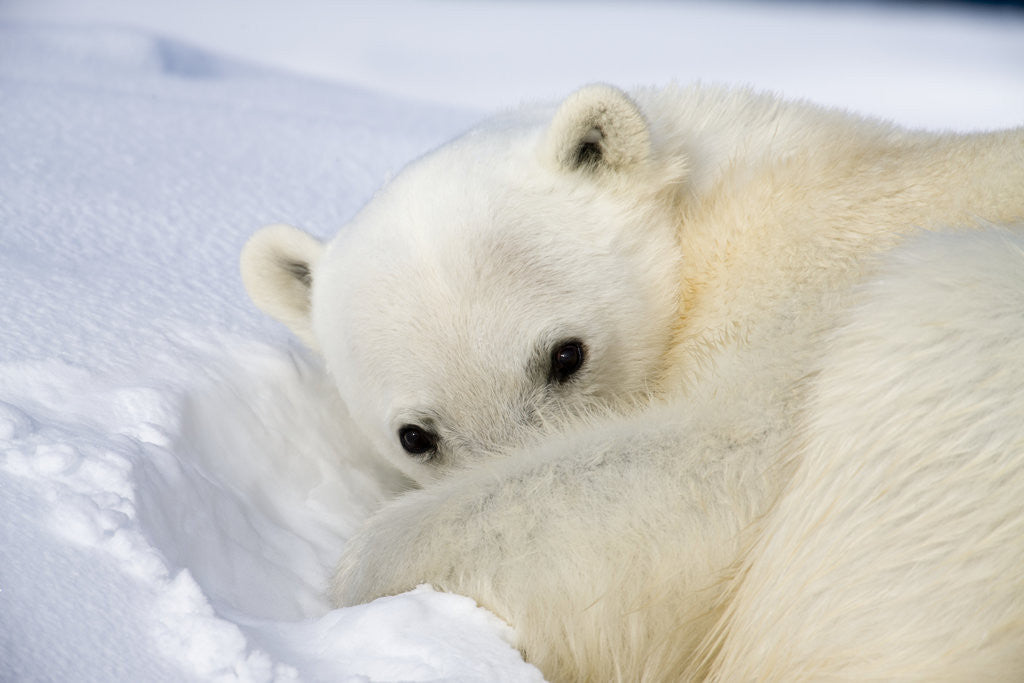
894, 550
625, 346
644, 547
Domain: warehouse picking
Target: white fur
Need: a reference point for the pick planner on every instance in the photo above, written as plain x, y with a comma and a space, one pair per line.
895, 552
767, 412
269, 266
587, 265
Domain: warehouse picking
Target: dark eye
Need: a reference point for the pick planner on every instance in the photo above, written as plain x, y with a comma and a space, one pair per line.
417, 440
566, 359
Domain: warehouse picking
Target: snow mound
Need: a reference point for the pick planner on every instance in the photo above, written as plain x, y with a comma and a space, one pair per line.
227, 503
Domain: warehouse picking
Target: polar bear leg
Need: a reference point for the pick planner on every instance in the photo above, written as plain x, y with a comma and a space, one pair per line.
606, 550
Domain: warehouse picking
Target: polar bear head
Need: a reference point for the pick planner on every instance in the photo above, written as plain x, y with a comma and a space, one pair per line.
509, 283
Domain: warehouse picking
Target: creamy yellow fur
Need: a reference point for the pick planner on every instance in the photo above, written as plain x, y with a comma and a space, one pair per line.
796, 449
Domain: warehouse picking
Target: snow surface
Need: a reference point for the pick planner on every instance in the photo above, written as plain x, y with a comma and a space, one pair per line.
176, 476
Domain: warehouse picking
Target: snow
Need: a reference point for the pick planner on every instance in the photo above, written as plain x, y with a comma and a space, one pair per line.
176, 476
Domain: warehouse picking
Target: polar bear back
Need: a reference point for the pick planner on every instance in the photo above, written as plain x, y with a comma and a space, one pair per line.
895, 551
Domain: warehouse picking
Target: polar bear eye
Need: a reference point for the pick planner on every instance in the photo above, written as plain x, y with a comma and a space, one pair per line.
566, 359
417, 440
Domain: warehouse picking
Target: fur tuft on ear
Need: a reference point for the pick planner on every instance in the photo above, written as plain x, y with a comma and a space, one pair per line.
278, 265
599, 127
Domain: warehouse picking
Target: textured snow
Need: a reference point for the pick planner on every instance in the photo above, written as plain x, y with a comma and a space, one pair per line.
176, 476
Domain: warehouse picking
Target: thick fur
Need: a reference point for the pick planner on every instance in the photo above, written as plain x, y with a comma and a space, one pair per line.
795, 449
895, 551
277, 265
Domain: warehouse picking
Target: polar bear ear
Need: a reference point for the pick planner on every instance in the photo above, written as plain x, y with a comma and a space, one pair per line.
599, 127
277, 265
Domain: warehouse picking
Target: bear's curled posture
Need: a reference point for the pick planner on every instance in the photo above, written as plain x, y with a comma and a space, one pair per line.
696, 383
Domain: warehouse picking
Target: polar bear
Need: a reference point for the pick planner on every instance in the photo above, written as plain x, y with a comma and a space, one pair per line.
643, 352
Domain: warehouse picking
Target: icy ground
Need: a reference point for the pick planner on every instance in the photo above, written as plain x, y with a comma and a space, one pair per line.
176, 478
